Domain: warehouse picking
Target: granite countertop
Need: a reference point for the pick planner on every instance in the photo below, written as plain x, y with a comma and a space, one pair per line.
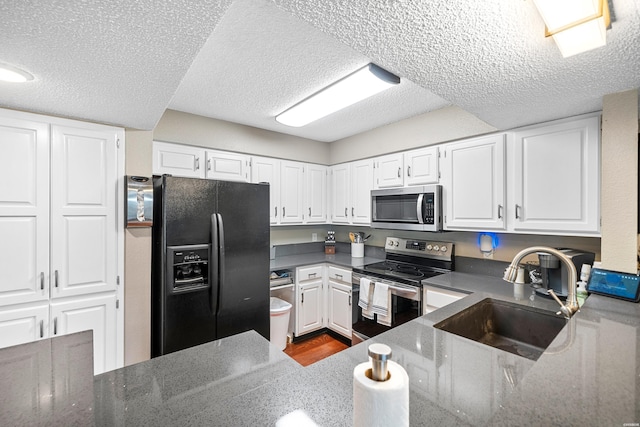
343, 259
589, 375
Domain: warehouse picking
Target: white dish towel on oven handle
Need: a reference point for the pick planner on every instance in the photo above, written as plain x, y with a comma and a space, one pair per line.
382, 303
365, 298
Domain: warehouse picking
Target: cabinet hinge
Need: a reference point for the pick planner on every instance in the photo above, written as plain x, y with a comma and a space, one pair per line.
118, 142
118, 280
117, 303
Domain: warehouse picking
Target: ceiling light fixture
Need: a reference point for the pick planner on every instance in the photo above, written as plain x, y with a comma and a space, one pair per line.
9, 73
576, 25
359, 85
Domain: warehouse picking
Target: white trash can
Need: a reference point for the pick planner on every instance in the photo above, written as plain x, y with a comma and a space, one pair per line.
279, 323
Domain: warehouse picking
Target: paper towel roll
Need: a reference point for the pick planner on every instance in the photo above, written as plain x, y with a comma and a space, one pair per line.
380, 403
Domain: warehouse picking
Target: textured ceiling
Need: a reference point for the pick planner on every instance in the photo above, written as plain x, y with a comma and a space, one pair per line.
125, 62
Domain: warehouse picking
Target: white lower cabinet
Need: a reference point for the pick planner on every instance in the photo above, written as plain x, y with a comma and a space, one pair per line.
434, 298
96, 313
22, 324
310, 299
339, 301
320, 306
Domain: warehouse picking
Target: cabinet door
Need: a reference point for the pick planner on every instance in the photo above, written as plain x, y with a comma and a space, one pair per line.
340, 308
340, 179
474, 184
361, 186
24, 211
556, 177
421, 166
97, 313
264, 169
310, 306
291, 192
20, 324
389, 171
178, 160
315, 194
227, 166
83, 210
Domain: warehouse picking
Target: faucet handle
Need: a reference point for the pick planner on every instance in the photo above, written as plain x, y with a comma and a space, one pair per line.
564, 310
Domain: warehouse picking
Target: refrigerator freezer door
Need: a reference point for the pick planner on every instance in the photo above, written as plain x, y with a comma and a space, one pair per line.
243, 298
183, 218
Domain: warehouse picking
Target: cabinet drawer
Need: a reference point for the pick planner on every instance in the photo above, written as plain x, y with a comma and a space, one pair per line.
309, 273
438, 298
339, 274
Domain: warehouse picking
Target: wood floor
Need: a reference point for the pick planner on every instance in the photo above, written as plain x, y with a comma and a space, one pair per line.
315, 348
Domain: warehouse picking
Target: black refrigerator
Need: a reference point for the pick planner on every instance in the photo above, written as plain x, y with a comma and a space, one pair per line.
210, 261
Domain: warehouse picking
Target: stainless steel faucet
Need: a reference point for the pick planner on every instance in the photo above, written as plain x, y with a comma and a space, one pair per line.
571, 306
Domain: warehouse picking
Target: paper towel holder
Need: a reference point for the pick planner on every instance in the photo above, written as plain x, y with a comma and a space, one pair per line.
379, 354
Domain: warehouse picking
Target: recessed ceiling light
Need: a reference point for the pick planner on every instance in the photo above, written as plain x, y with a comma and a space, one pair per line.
9, 73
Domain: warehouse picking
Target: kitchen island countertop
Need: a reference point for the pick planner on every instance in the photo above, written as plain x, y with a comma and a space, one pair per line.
589, 375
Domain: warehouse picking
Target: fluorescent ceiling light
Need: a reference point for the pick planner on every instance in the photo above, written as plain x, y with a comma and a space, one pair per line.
359, 85
576, 25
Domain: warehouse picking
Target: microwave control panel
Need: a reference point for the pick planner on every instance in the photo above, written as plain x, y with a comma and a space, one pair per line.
429, 208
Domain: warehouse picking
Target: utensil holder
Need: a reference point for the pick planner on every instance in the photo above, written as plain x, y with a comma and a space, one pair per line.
357, 250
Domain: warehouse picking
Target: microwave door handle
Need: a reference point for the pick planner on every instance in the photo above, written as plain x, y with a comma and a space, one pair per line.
214, 263
420, 213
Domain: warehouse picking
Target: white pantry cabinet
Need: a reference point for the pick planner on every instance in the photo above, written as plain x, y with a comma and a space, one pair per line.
474, 184
62, 224
554, 177
178, 160
351, 185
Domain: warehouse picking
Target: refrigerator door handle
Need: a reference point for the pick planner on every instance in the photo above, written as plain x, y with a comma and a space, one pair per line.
214, 263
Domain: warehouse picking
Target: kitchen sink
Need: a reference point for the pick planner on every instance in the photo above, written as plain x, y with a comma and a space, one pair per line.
518, 329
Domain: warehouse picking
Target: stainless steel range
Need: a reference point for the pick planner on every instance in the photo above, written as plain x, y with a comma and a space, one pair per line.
407, 263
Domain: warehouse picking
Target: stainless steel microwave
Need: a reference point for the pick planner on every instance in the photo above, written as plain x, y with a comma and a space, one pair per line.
407, 208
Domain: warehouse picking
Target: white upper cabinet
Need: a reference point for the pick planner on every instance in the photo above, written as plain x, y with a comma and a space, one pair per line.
83, 211
415, 167
315, 194
351, 186
266, 169
24, 210
227, 166
421, 166
361, 186
178, 160
389, 171
340, 193
292, 192
554, 177
474, 183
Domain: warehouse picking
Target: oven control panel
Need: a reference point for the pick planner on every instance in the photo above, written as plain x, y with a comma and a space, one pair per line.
423, 248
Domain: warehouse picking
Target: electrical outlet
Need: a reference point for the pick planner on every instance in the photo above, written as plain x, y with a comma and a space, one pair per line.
314, 237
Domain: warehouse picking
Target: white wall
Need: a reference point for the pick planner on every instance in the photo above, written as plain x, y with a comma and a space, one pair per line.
201, 131
435, 127
137, 264
619, 199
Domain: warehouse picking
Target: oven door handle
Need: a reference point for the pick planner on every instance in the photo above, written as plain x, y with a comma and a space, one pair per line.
406, 290
419, 211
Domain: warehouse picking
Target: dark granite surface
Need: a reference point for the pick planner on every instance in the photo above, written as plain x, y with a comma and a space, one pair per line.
589, 375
